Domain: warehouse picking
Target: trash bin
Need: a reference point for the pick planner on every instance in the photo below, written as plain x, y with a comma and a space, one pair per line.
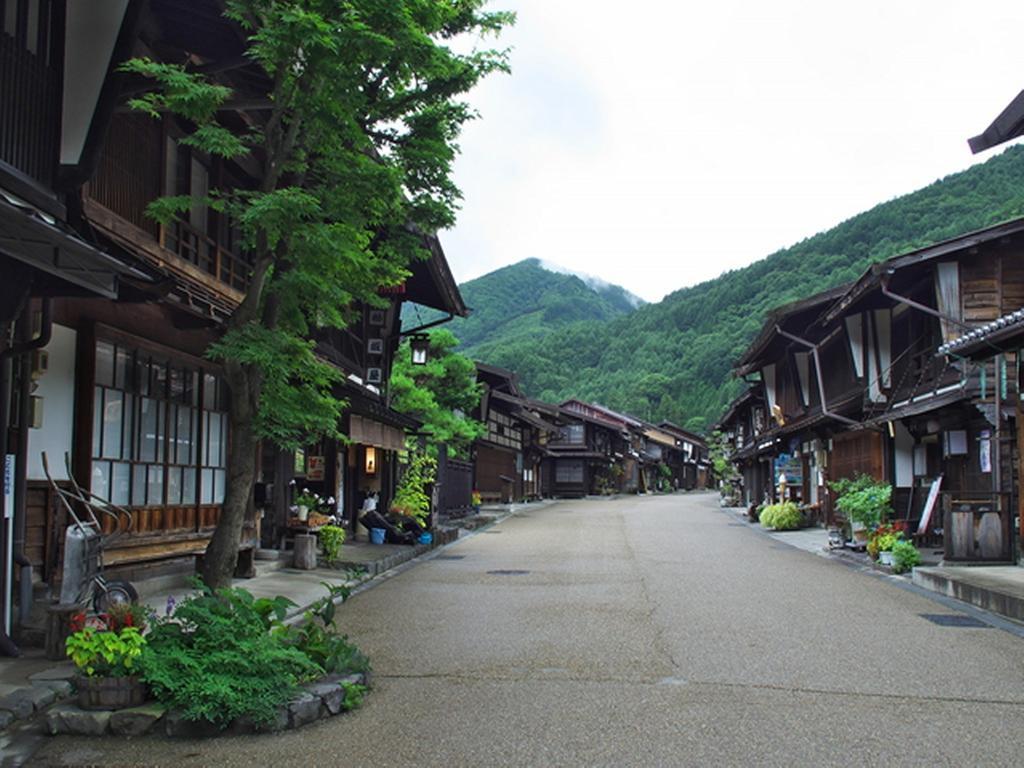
377, 535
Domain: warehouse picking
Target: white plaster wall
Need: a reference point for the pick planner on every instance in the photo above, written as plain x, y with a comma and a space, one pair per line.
92, 29
57, 388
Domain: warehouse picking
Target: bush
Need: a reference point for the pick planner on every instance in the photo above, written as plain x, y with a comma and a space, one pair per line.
904, 556
863, 500
331, 539
215, 658
318, 639
782, 517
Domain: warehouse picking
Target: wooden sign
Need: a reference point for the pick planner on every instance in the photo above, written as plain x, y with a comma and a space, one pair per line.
315, 468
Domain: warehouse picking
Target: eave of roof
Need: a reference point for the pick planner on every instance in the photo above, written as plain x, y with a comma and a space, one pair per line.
1008, 125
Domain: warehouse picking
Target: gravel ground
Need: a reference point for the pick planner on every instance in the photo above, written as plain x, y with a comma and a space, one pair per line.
641, 631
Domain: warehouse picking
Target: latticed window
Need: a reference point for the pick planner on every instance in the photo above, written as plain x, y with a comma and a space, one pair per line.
159, 430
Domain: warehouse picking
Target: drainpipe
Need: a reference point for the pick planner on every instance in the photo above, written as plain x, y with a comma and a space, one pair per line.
21, 481
884, 283
821, 381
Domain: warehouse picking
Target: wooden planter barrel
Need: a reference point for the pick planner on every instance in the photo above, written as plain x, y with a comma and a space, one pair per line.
110, 692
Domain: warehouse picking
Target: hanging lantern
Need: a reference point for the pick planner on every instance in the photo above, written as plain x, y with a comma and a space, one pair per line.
420, 344
371, 460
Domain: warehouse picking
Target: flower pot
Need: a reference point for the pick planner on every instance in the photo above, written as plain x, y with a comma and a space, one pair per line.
885, 557
110, 692
303, 512
377, 535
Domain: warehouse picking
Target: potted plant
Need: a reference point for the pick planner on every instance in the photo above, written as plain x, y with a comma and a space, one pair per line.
105, 649
881, 542
305, 502
864, 502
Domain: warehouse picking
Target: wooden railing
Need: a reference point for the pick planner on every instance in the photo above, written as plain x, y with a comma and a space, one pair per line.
29, 112
203, 251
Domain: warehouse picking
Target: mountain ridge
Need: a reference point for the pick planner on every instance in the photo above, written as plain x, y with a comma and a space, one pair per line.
672, 359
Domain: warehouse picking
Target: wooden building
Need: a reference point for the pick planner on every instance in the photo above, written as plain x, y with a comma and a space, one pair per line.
593, 453
508, 460
130, 306
851, 383
689, 463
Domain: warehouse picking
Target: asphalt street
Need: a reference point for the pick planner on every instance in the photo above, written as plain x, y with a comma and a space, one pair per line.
642, 631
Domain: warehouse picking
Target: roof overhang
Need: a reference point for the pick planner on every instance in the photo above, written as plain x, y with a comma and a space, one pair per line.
1008, 125
33, 237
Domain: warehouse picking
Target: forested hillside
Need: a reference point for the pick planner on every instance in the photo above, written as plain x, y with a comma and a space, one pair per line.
525, 301
673, 359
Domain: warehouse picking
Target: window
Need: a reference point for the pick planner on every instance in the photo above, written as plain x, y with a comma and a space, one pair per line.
159, 430
574, 433
569, 471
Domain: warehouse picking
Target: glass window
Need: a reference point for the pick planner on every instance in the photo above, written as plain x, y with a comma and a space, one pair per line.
152, 444
569, 471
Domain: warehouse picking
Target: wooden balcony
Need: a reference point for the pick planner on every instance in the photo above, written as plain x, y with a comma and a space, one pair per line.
204, 252
29, 112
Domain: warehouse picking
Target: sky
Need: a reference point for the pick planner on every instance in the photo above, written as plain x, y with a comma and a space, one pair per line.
657, 144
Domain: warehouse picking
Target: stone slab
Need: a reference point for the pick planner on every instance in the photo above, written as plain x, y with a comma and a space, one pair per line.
63, 672
19, 703
245, 725
331, 694
62, 688
176, 726
69, 719
137, 720
6, 718
304, 709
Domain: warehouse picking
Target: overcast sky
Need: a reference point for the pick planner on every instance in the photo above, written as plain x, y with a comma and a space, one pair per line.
656, 144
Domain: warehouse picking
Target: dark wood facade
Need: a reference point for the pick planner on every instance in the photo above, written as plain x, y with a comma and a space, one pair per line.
890, 404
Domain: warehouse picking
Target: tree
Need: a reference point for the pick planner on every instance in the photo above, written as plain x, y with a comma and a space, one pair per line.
354, 155
440, 393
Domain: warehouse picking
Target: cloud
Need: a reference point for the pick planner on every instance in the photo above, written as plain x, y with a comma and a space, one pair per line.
659, 144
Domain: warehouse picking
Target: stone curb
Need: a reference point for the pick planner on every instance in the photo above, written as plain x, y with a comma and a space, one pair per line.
320, 699
23, 703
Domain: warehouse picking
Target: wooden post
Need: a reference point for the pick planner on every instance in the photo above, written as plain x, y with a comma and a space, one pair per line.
58, 627
305, 551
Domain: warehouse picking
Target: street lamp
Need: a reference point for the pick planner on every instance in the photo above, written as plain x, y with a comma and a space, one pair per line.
420, 344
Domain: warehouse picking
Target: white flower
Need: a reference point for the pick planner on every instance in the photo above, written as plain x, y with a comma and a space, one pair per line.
330, 500
292, 481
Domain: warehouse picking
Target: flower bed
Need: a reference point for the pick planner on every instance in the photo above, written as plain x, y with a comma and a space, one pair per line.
326, 697
222, 659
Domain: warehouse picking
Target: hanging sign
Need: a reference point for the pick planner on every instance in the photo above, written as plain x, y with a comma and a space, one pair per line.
315, 468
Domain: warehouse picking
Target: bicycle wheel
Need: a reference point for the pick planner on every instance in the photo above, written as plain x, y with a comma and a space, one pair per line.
116, 592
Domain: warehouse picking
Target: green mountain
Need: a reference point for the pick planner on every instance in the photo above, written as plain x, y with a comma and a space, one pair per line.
673, 359
527, 300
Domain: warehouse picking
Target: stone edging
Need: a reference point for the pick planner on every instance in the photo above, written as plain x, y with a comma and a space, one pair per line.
319, 699
22, 703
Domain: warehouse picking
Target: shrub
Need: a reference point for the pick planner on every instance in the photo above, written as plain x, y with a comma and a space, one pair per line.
318, 639
331, 539
782, 517
863, 500
215, 659
904, 556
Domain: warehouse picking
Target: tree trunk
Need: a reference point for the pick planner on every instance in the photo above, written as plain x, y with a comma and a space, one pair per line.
221, 556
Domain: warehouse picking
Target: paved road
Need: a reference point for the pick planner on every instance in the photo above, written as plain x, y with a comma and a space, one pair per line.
651, 631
